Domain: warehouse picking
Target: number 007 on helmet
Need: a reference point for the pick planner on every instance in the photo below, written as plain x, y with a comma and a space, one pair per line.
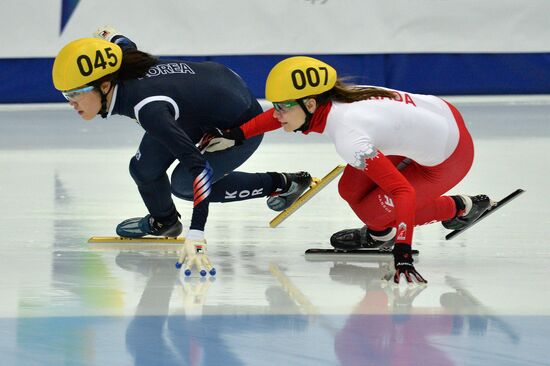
299, 77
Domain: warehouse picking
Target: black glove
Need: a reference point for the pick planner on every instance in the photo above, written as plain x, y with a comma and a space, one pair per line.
403, 261
217, 139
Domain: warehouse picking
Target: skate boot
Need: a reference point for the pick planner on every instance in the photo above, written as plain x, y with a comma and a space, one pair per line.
352, 239
296, 184
473, 208
138, 227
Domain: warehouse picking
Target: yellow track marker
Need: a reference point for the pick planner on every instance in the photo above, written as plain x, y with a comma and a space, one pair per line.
145, 243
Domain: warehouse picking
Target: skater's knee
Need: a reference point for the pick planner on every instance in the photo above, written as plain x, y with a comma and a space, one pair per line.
182, 184
183, 194
137, 172
347, 194
181, 189
143, 174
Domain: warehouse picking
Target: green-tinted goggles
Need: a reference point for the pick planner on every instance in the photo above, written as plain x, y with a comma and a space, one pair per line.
75, 93
284, 106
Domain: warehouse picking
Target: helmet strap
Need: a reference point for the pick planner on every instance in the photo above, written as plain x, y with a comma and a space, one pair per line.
305, 125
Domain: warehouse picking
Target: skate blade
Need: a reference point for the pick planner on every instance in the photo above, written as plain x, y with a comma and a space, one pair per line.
354, 252
316, 186
495, 205
136, 244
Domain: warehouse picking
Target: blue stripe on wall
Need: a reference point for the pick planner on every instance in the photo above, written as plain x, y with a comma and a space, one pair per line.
29, 80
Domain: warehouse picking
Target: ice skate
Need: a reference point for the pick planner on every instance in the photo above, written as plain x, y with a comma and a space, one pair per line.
297, 183
138, 227
354, 239
464, 225
316, 185
475, 206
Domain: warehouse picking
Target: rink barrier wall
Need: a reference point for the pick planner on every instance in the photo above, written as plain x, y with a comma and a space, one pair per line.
462, 100
29, 80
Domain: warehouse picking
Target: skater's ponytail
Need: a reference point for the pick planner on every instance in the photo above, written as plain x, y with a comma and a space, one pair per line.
135, 64
349, 93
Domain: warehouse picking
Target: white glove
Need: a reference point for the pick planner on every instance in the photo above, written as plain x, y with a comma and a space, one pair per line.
219, 144
217, 139
106, 32
209, 143
194, 255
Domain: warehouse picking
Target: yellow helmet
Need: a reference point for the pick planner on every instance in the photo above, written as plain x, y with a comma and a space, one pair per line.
83, 61
298, 77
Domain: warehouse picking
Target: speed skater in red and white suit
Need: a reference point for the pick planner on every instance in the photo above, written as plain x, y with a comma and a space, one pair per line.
374, 136
403, 151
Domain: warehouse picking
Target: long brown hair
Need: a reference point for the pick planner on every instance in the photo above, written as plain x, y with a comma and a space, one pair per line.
135, 64
348, 93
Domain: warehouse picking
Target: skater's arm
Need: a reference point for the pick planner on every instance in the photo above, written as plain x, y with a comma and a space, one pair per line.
159, 120
217, 139
263, 122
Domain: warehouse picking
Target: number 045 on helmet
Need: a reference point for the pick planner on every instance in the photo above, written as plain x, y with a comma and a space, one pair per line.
84, 61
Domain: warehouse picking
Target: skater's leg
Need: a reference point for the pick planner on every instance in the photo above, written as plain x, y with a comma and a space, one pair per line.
353, 187
429, 183
230, 185
239, 186
354, 184
222, 163
376, 209
148, 169
439, 209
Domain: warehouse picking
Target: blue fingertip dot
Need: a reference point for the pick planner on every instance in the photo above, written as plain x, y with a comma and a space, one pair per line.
178, 265
187, 272
213, 272
203, 272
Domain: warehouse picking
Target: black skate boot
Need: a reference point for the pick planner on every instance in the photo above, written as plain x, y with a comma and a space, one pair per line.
138, 227
296, 184
352, 239
474, 207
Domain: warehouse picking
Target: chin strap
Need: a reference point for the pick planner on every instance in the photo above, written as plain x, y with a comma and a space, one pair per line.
103, 111
305, 125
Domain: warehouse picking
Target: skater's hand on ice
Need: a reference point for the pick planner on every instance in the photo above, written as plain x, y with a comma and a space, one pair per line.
194, 254
403, 261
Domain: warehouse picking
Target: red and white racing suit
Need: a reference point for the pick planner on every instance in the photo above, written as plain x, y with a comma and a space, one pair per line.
403, 154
